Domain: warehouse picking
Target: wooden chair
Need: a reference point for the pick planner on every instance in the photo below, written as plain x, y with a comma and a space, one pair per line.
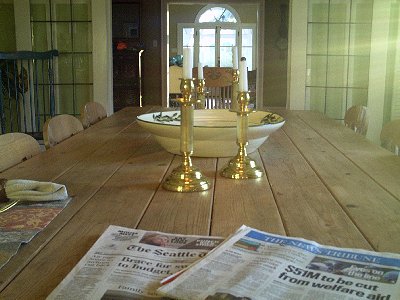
218, 86
252, 81
390, 136
16, 147
175, 75
356, 118
92, 113
59, 128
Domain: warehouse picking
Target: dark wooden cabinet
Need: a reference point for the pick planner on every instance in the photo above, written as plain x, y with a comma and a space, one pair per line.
126, 79
127, 50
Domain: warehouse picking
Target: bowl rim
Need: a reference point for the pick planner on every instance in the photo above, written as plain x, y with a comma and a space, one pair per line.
177, 123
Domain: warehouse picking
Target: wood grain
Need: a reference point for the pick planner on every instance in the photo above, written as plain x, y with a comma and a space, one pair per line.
307, 207
92, 112
131, 190
244, 202
15, 148
323, 182
186, 213
60, 128
373, 210
381, 165
81, 185
51, 164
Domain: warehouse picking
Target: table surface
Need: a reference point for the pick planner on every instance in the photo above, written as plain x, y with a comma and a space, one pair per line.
323, 182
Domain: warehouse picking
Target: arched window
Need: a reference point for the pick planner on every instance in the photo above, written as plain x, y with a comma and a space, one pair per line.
216, 29
211, 13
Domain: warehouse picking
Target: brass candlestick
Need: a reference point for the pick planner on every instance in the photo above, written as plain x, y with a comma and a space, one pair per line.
241, 166
235, 88
186, 178
200, 98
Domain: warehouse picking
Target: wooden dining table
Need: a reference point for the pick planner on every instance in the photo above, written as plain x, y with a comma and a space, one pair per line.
321, 182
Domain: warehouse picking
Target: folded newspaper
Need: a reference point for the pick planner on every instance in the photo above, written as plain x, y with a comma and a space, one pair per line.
250, 264
127, 263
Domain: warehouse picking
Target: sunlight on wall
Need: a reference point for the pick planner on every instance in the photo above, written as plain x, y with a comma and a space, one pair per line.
67, 28
392, 93
339, 34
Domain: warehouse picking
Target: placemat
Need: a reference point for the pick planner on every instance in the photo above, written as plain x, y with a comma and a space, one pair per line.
21, 223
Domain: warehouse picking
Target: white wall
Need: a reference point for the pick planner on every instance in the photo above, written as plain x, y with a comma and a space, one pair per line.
297, 62
377, 68
378, 60
22, 25
102, 54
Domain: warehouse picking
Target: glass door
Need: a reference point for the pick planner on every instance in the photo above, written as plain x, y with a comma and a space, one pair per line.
215, 46
227, 39
207, 47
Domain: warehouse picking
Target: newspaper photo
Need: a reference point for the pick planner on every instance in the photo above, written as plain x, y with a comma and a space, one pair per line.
252, 264
126, 263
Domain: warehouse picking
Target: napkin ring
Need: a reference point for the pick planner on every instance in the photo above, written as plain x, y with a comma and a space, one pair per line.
3, 195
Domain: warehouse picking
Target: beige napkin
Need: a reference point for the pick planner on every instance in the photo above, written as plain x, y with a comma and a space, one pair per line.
29, 190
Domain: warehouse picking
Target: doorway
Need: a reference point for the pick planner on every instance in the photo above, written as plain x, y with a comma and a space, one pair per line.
188, 10
127, 53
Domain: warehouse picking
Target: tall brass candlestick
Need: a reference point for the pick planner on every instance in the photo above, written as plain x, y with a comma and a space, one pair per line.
200, 98
186, 177
241, 166
235, 88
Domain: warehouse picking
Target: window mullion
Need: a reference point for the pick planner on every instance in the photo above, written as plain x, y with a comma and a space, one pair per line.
239, 41
217, 45
196, 46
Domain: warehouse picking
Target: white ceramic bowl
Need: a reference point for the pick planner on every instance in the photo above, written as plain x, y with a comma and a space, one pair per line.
214, 132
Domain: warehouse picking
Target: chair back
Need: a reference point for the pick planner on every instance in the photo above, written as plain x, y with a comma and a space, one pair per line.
175, 73
356, 118
27, 96
218, 86
92, 113
60, 128
15, 148
390, 136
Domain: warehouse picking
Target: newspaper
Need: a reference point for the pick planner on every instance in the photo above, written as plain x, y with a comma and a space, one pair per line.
126, 263
252, 264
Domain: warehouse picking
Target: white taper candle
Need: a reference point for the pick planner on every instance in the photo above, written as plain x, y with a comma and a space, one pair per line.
234, 57
200, 71
187, 63
243, 85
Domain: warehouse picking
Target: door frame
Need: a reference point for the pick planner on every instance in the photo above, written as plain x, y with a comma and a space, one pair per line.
165, 43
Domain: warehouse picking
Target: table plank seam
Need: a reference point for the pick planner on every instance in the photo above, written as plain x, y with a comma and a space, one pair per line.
210, 222
330, 191
5, 283
159, 186
351, 160
285, 227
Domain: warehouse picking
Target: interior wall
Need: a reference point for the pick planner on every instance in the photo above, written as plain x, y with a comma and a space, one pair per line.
275, 59
151, 37
180, 13
7, 25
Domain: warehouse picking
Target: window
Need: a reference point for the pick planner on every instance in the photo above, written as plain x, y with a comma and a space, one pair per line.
66, 25
338, 55
214, 32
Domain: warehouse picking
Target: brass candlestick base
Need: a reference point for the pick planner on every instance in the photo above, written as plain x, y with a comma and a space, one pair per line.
186, 178
241, 166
